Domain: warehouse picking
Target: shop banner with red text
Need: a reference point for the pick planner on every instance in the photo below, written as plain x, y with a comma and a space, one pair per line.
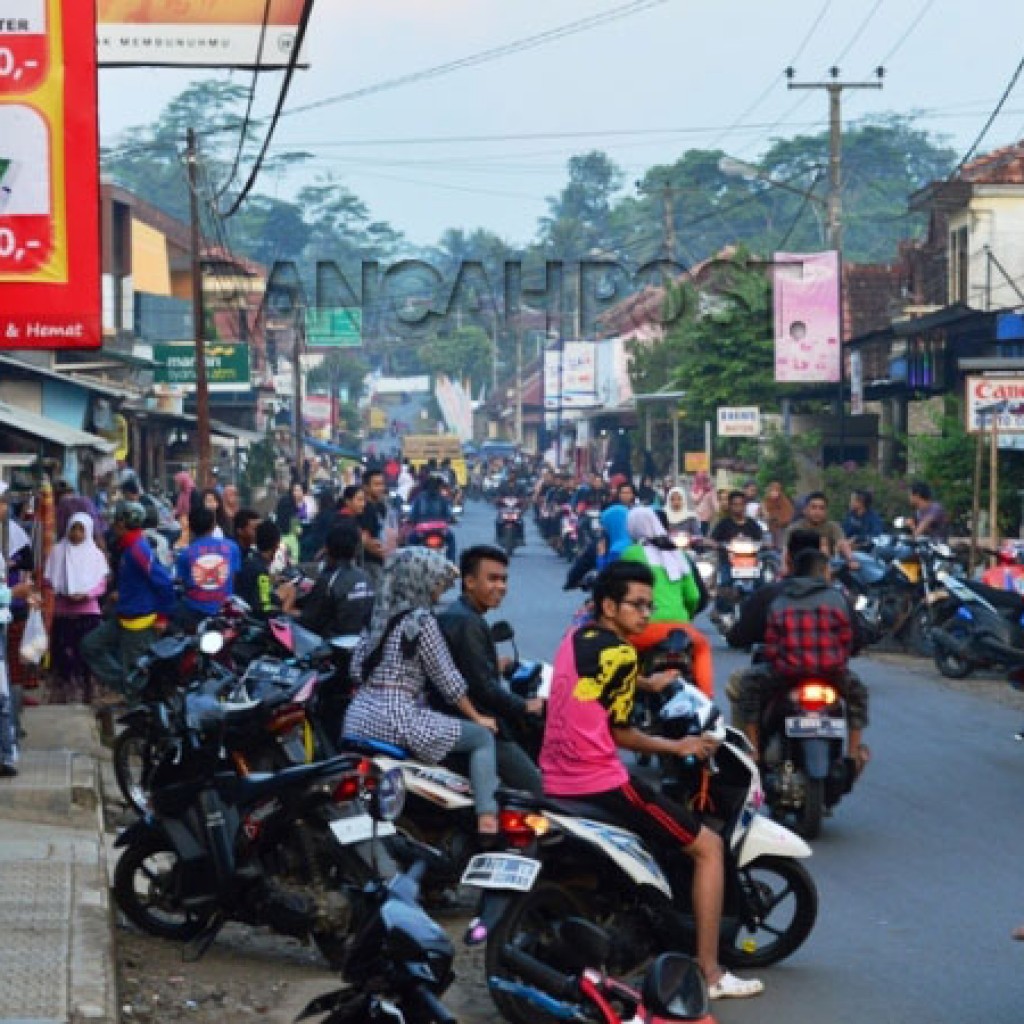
49, 176
807, 342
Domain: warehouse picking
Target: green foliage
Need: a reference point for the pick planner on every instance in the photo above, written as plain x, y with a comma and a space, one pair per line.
341, 369
890, 494
466, 352
778, 460
946, 461
259, 466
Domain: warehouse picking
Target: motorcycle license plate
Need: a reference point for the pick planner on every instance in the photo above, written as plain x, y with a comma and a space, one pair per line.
501, 871
510, 517
813, 727
745, 572
359, 828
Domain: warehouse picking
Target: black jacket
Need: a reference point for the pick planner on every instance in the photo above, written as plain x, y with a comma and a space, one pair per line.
476, 657
340, 603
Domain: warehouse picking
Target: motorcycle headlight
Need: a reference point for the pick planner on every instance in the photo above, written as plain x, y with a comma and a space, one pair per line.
388, 799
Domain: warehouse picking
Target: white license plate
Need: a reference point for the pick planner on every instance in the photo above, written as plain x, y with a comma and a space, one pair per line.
746, 573
812, 727
359, 828
501, 871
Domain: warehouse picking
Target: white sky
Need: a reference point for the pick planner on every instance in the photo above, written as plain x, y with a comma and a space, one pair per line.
705, 74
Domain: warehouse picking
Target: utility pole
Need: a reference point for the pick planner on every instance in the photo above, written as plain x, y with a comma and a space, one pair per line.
834, 209
519, 386
298, 347
198, 315
670, 220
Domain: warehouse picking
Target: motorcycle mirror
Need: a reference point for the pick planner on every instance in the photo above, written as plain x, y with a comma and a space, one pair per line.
387, 801
675, 988
211, 642
502, 631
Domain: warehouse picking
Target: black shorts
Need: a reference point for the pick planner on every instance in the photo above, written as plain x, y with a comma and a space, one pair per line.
640, 808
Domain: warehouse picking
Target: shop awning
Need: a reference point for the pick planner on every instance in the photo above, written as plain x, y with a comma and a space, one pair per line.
331, 449
25, 422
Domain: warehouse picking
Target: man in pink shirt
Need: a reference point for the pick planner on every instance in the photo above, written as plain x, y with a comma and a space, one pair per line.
596, 674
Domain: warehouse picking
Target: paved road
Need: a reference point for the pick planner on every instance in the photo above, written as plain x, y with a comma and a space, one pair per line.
919, 872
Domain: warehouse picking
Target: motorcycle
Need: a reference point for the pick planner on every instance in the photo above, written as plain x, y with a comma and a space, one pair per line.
432, 534
591, 865
568, 533
672, 990
398, 964
285, 850
751, 565
509, 527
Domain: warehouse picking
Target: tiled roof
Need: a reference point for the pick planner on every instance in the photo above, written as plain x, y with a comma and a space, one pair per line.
1000, 167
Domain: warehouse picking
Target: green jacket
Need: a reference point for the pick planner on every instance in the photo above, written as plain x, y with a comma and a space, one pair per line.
673, 602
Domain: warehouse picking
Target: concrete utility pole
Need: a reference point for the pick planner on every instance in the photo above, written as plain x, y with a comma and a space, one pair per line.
834, 208
205, 470
670, 220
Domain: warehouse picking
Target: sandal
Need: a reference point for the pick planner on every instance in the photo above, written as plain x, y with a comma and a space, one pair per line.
1018, 933
729, 986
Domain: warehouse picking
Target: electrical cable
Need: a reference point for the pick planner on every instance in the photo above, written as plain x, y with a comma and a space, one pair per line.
858, 32
248, 107
897, 46
989, 122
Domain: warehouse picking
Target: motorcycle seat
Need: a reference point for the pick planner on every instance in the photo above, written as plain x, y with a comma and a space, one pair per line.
577, 808
365, 745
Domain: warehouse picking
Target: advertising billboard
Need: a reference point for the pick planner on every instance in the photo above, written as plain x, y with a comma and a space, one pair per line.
739, 421
807, 333
197, 33
570, 376
227, 365
995, 399
49, 176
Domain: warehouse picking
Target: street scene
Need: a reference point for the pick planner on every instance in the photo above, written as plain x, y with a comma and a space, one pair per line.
510, 514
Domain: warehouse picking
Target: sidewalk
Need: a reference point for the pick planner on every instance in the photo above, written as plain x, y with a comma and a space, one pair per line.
57, 950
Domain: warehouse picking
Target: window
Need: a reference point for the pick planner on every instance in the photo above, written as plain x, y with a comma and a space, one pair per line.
959, 265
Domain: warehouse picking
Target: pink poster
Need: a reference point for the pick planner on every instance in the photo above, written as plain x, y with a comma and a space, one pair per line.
807, 347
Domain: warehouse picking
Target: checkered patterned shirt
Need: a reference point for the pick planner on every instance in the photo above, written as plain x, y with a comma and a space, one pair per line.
809, 630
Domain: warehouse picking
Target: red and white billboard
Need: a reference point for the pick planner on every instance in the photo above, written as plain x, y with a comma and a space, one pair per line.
49, 176
807, 339
197, 33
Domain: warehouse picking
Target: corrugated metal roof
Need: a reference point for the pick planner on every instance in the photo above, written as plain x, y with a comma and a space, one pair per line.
100, 387
28, 422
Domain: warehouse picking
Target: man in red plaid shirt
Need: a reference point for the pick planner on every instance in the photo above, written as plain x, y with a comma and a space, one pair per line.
811, 631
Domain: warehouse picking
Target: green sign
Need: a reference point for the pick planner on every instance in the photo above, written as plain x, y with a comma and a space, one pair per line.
340, 327
227, 365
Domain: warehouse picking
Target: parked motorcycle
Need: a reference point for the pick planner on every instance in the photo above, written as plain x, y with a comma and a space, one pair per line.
509, 529
569, 982
398, 963
591, 865
281, 849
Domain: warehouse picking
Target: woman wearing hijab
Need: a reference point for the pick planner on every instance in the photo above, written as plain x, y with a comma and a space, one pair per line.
77, 571
677, 595
393, 664
616, 535
778, 510
705, 503
679, 517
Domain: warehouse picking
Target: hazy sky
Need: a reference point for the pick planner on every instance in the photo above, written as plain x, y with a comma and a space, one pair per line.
676, 75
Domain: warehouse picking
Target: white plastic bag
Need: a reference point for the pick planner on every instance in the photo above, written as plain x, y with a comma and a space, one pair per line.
34, 641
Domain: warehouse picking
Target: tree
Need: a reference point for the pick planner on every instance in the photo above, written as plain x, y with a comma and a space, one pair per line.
579, 218
341, 369
464, 353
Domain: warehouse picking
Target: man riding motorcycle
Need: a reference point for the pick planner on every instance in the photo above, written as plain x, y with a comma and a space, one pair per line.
736, 524
484, 574
595, 679
431, 506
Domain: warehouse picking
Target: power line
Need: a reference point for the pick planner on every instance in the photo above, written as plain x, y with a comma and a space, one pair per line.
859, 31
991, 119
925, 7
485, 56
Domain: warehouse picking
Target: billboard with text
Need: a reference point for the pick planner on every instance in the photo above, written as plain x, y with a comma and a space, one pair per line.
570, 376
197, 33
49, 176
807, 335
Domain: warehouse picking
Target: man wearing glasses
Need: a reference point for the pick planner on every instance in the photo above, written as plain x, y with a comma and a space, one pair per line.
596, 675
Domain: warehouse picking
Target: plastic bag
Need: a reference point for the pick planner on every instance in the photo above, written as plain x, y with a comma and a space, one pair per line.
34, 641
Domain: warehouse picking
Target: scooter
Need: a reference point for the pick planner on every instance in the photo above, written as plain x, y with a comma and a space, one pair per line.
590, 863
508, 527
579, 988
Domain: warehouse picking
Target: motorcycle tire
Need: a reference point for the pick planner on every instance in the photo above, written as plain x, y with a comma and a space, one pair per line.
761, 899
134, 757
951, 665
527, 923
808, 823
345, 867
144, 892
919, 633
508, 545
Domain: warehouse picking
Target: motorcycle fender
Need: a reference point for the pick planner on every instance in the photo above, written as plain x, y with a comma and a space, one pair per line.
816, 757
138, 830
137, 719
428, 782
622, 847
766, 838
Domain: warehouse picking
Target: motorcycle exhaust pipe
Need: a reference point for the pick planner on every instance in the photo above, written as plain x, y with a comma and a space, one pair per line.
949, 643
1000, 650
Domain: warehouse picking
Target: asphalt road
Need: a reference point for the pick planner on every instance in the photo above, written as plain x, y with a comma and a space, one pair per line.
918, 872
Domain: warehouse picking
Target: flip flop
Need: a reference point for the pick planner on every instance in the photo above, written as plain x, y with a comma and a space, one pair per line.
729, 986
1018, 933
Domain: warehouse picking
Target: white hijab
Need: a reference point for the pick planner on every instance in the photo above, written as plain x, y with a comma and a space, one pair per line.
17, 538
645, 527
677, 518
76, 568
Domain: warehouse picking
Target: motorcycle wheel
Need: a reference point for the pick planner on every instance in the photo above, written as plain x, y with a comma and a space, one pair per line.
529, 924
343, 867
808, 823
134, 758
145, 881
778, 903
951, 665
919, 633
508, 544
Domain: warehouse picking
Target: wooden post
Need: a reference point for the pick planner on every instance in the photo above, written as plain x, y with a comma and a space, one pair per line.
979, 451
993, 485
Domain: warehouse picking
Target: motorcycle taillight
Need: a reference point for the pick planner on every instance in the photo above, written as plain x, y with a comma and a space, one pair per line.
350, 786
816, 696
520, 828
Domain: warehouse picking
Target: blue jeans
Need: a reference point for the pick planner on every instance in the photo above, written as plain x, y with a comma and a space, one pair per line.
478, 743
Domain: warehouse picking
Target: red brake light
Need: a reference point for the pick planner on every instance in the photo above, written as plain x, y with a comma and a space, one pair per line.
520, 828
351, 786
816, 696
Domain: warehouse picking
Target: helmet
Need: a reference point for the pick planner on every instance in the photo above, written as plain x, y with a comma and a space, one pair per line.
131, 514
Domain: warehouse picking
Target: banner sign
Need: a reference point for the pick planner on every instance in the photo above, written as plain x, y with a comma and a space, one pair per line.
807, 333
227, 365
739, 421
49, 176
998, 399
570, 376
197, 33
334, 328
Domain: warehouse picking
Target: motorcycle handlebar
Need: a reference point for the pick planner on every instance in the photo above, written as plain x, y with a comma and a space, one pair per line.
532, 970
